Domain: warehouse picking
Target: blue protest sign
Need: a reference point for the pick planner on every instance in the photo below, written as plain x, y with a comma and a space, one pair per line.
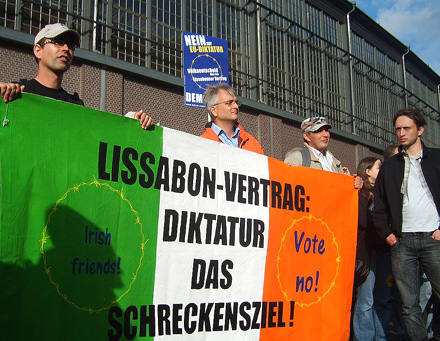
205, 62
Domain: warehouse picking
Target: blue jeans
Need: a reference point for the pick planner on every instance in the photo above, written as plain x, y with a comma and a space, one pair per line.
412, 251
372, 311
396, 315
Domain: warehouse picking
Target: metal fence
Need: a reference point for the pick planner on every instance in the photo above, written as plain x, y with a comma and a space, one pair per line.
283, 53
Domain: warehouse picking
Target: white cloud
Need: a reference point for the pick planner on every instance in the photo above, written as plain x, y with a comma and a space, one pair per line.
415, 23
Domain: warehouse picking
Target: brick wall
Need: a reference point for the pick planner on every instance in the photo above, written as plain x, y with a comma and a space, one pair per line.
127, 92
16, 63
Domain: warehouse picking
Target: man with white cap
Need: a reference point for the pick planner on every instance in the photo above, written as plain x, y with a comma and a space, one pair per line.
53, 49
315, 154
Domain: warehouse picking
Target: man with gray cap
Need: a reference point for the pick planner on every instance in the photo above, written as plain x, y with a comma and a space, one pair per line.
53, 49
315, 154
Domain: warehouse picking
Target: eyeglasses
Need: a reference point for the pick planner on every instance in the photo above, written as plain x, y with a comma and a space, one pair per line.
229, 103
59, 43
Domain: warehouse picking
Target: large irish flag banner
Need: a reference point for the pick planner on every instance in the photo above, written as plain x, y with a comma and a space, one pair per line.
112, 232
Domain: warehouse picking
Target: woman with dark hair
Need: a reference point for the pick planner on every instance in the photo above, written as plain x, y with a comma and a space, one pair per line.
371, 312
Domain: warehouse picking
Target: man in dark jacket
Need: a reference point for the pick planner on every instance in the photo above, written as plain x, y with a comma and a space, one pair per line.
407, 206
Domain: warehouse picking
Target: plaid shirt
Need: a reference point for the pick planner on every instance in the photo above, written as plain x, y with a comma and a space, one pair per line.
404, 188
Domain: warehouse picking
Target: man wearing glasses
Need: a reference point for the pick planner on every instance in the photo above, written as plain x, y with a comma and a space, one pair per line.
53, 49
223, 106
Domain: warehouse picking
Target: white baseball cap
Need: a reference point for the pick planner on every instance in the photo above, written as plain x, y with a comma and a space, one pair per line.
55, 30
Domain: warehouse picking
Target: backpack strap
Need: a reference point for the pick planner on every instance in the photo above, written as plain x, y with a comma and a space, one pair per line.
305, 155
306, 159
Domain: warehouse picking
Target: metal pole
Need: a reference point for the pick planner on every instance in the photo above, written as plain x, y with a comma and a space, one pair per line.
404, 75
259, 61
350, 69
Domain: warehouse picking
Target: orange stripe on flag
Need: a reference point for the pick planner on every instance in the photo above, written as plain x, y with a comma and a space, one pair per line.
310, 257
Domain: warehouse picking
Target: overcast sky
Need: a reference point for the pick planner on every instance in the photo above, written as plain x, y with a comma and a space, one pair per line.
413, 22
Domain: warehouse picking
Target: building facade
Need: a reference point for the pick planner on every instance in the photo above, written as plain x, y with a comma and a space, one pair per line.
288, 60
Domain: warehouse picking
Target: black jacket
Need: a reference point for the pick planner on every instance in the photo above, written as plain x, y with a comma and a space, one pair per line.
388, 201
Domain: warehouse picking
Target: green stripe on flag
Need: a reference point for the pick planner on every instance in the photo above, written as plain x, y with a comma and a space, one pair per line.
79, 217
